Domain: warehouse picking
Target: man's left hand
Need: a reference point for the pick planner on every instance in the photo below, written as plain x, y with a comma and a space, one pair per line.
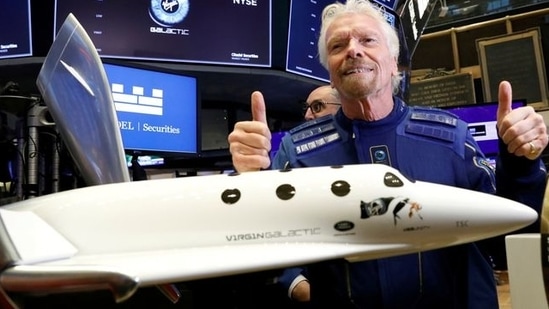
523, 130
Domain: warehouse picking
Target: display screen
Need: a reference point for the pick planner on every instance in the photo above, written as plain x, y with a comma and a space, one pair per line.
391, 4
15, 22
303, 32
145, 160
157, 111
233, 32
482, 118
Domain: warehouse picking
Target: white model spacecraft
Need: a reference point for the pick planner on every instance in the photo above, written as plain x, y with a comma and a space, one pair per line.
123, 235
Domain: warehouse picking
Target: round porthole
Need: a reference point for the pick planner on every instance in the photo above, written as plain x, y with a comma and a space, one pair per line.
341, 188
230, 196
285, 192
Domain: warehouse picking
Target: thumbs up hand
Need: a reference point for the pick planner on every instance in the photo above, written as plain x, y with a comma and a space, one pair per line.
250, 141
523, 130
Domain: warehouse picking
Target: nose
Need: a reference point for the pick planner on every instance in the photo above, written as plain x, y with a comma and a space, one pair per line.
354, 49
309, 115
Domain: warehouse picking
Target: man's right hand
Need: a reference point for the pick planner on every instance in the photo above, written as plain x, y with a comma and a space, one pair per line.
250, 141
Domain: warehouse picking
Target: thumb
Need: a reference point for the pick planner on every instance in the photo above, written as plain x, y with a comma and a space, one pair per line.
505, 95
259, 112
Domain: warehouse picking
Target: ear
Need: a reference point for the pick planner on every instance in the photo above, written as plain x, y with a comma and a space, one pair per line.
395, 67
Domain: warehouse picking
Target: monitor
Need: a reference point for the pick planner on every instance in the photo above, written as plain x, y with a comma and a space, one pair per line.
303, 32
157, 109
145, 160
234, 32
481, 118
16, 34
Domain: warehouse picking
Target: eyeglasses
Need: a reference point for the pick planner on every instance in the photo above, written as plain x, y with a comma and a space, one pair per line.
316, 106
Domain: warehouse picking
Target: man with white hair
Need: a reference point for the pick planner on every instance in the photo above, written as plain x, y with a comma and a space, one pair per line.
360, 50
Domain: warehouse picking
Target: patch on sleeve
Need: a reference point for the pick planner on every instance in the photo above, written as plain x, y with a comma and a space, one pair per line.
430, 131
310, 132
316, 143
314, 134
434, 117
432, 123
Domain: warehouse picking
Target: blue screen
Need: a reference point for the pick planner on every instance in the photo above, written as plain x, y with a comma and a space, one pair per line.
482, 118
157, 111
233, 32
15, 22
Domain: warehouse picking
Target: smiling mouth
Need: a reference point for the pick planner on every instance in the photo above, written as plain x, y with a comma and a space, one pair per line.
357, 71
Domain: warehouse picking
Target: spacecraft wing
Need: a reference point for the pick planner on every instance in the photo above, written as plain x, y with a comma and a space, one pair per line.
123, 273
167, 266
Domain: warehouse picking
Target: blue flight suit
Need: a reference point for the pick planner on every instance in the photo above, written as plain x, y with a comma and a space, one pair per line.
424, 144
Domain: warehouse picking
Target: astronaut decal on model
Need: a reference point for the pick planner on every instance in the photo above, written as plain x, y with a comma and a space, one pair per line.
380, 206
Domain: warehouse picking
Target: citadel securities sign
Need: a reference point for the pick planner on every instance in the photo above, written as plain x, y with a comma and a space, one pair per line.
226, 32
156, 110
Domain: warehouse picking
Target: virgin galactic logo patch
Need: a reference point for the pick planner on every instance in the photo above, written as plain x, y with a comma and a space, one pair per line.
168, 13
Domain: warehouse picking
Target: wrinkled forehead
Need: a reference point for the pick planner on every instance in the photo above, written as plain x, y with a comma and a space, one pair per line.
347, 24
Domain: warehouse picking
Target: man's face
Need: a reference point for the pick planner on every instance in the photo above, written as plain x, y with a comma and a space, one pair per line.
359, 60
318, 108
320, 103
